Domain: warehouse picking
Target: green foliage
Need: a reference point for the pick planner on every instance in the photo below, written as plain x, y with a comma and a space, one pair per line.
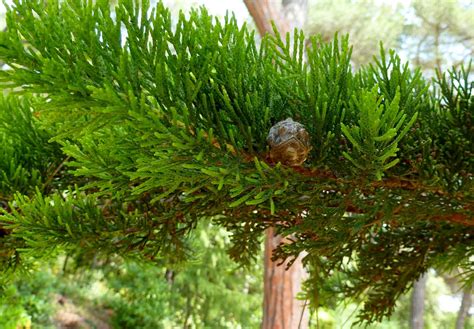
27, 159
74, 222
376, 138
366, 21
29, 301
164, 126
12, 313
329, 85
210, 291
36, 295
27, 162
452, 148
431, 34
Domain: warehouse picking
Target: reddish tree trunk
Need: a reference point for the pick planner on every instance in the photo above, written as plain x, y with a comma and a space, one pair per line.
287, 14
281, 309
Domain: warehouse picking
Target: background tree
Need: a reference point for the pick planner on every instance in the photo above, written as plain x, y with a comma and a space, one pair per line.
366, 21
466, 304
441, 33
170, 128
431, 34
418, 303
209, 291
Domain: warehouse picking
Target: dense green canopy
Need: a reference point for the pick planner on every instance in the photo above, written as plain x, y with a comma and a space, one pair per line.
122, 130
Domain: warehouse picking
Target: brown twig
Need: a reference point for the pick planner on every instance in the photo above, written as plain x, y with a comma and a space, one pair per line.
53, 174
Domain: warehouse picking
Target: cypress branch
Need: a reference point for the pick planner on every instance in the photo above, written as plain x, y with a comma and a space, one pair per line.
163, 125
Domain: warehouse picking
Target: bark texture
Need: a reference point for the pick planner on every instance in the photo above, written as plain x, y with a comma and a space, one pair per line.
418, 303
287, 14
281, 309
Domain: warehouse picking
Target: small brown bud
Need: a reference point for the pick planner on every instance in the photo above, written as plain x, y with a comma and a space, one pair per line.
289, 143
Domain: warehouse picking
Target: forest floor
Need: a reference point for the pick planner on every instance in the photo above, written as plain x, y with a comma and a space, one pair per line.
71, 316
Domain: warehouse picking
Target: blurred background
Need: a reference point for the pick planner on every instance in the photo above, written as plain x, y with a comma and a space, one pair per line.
211, 291
431, 34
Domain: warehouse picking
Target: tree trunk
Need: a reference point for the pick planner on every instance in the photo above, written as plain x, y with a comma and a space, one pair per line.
464, 309
281, 309
287, 14
418, 303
